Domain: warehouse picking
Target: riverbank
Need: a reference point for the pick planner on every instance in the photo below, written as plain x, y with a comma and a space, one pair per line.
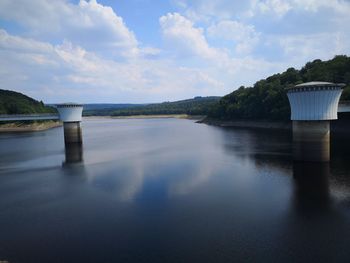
248, 124
28, 127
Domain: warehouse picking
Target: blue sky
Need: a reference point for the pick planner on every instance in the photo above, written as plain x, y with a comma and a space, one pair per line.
160, 50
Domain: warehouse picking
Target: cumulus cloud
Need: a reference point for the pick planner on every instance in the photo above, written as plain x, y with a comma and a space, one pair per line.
207, 10
13, 43
69, 72
280, 8
60, 50
277, 7
185, 38
310, 47
243, 36
88, 24
273, 28
227, 9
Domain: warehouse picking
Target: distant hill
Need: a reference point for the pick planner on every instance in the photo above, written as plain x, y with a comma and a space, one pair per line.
267, 99
12, 102
105, 109
107, 106
195, 106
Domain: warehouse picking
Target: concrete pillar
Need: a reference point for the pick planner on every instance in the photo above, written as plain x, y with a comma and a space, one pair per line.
71, 116
74, 153
311, 141
313, 105
72, 132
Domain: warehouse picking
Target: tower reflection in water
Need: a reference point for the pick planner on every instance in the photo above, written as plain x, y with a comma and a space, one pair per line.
311, 181
74, 153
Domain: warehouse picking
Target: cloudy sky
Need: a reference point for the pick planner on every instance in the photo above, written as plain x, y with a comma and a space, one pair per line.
160, 50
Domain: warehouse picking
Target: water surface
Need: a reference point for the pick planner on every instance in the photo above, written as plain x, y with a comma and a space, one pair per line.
170, 190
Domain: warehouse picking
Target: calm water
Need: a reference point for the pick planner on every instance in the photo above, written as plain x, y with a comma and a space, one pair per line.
170, 190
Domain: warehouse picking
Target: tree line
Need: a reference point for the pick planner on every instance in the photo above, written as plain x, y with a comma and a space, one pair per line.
195, 106
12, 102
267, 99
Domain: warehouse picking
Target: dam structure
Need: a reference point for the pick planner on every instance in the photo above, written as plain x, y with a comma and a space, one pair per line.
313, 105
71, 116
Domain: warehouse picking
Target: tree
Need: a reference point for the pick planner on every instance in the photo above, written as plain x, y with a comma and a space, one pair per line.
267, 99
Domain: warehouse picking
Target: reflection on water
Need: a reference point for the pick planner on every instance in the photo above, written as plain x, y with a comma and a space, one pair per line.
311, 185
170, 191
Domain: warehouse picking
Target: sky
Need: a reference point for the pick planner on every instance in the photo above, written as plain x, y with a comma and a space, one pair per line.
142, 51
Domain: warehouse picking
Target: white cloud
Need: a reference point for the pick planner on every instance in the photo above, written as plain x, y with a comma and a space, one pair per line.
244, 36
277, 7
301, 48
13, 43
68, 72
60, 51
217, 10
186, 39
339, 6
88, 24
206, 10
288, 31
281, 7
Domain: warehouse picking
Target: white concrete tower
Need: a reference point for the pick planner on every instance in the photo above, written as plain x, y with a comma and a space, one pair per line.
313, 105
71, 115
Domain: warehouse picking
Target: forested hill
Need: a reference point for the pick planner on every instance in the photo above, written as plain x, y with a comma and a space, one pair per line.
195, 106
12, 102
106, 109
267, 99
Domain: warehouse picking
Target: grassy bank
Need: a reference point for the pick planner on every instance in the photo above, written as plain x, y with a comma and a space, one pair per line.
28, 126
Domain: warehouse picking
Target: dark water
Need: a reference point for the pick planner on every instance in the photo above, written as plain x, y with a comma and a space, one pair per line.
170, 190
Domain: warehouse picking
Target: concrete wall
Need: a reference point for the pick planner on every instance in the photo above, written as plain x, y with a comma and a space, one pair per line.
314, 104
70, 113
72, 132
311, 141
74, 153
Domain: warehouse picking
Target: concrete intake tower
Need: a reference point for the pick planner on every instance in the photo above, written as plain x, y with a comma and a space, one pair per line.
313, 105
71, 115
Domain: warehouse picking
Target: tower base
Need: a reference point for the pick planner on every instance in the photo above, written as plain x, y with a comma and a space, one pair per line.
311, 141
72, 132
74, 153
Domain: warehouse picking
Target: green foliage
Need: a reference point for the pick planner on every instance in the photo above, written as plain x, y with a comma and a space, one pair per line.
106, 109
196, 106
267, 99
12, 102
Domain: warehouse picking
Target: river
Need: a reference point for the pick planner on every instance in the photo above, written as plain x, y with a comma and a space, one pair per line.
170, 190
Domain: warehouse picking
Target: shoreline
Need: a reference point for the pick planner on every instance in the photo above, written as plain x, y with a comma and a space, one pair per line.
46, 125
31, 127
258, 124
277, 125
160, 116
